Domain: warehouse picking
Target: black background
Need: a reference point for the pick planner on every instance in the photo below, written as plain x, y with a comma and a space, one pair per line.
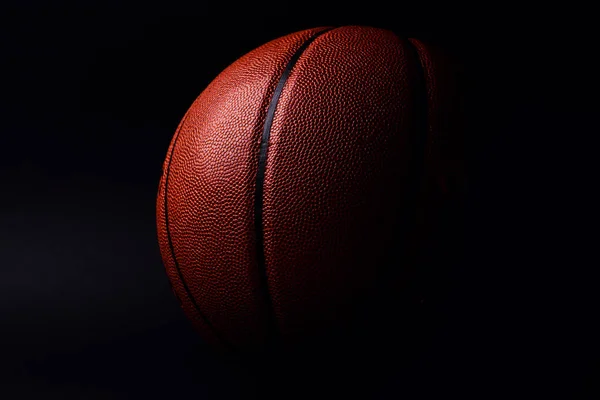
91, 96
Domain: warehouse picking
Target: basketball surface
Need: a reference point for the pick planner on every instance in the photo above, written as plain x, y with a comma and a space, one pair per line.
302, 183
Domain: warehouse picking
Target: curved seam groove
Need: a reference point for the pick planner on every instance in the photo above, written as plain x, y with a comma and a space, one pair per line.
407, 222
421, 129
171, 247
272, 330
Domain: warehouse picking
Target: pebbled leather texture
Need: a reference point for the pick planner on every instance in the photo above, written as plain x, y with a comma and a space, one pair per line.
338, 141
336, 182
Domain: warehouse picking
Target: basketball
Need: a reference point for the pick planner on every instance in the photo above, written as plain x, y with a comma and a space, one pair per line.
304, 181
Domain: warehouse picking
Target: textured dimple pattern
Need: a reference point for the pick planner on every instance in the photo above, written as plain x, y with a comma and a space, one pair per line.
336, 173
336, 181
209, 182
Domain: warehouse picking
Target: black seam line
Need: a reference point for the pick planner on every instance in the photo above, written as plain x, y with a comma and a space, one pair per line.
260, 180
419, 137
171, 247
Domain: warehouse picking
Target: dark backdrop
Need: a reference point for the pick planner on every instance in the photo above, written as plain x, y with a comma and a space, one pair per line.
91, 96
